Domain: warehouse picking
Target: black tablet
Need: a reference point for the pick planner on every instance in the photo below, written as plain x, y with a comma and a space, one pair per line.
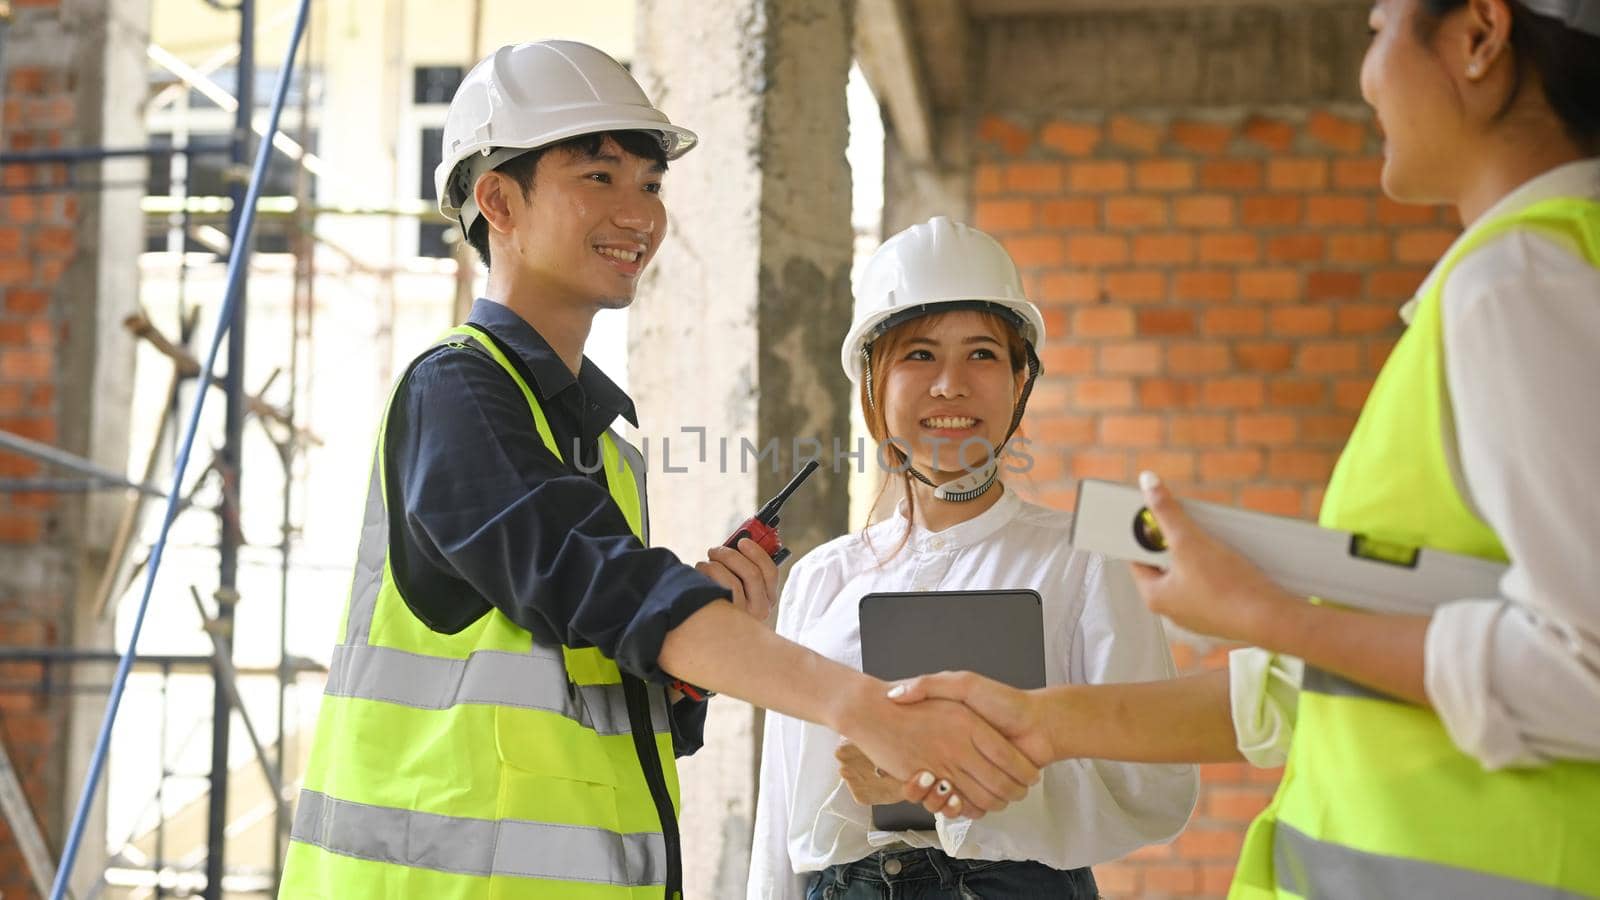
998, 634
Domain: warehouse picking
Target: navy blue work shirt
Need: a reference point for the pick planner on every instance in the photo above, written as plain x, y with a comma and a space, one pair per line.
483, 515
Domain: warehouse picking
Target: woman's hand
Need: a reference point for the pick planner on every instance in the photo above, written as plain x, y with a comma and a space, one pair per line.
1207, 588
1020, 716
868, 784
965, 766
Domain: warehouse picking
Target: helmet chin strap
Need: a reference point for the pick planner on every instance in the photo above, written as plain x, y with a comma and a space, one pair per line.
974, 484
970, 486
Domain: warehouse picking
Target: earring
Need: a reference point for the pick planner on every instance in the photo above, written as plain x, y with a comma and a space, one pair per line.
1474, 69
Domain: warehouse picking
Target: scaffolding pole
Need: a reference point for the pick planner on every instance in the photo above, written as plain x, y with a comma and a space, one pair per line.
229, 461
55, 455
233, 314
302, 300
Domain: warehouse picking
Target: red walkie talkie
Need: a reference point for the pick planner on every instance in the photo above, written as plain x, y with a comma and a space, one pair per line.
763, 529
763, 526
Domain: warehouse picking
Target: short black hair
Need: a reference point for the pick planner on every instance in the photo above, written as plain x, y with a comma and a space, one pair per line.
1566, 60
643, 144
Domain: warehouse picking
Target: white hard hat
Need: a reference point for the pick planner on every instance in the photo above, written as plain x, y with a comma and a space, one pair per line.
526, 96
926, 269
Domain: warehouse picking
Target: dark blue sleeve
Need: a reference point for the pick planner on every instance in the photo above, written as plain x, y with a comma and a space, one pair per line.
483, 498
688, 726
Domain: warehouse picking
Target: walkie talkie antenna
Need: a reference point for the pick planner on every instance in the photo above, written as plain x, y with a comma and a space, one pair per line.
769, 513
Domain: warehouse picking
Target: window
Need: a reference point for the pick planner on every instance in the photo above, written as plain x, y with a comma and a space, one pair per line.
431, 236
432, 89
207, 178
190, 112
435, 84
227, 79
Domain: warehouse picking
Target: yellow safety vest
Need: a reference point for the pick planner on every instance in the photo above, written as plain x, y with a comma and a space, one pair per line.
1376, 800
482, 765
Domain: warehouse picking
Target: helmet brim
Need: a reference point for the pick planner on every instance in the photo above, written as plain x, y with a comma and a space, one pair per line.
675, 139
1024, 314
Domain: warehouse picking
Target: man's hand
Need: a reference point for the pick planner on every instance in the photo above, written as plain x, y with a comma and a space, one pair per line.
724, 650
748, 573
962, 764
1018, 715
868, 784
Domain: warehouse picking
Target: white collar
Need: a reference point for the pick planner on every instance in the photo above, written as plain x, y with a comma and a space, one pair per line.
1579, 178
961, 534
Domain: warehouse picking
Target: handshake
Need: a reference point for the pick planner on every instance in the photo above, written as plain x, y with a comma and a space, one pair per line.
960, 744
955, 743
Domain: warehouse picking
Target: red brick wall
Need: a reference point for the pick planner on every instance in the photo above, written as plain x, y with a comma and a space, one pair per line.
1220, 294
38, 238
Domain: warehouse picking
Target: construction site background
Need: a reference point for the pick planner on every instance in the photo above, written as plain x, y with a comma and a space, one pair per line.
1190, 188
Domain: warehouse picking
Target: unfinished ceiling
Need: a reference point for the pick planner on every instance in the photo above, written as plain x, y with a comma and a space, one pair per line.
938, 64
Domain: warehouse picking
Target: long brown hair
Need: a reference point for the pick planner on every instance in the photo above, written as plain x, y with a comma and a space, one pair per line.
883, 356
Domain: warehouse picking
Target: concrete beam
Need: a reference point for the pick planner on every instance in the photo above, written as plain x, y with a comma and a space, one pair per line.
917, 58
944, 33
887, 51
913, 193
984, 9
1198, 56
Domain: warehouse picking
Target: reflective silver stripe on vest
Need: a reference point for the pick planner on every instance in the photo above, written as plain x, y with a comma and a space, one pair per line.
373, 550
494, 677
1326, 871
482, 847
1321, 681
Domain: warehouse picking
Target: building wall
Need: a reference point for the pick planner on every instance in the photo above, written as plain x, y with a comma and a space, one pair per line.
1219, 291
1220, 276
64, 377
37, 238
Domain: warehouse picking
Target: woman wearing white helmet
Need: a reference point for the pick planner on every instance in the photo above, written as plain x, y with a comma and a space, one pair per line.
943, 355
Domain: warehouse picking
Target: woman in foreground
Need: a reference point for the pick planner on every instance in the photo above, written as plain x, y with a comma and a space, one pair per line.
1455, 754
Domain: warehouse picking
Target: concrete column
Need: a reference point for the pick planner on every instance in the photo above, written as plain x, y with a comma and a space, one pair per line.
99, 352
74, 75
738, 326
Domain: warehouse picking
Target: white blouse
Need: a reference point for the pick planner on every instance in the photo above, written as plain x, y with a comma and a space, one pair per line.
1515, 678
1096, 630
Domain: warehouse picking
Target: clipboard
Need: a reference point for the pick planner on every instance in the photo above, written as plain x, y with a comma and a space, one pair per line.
998, 634
1339, 566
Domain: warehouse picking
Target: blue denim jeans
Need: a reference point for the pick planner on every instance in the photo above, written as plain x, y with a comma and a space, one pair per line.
931, 875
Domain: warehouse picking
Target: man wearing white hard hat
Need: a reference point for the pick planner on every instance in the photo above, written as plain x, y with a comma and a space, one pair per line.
497, 721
